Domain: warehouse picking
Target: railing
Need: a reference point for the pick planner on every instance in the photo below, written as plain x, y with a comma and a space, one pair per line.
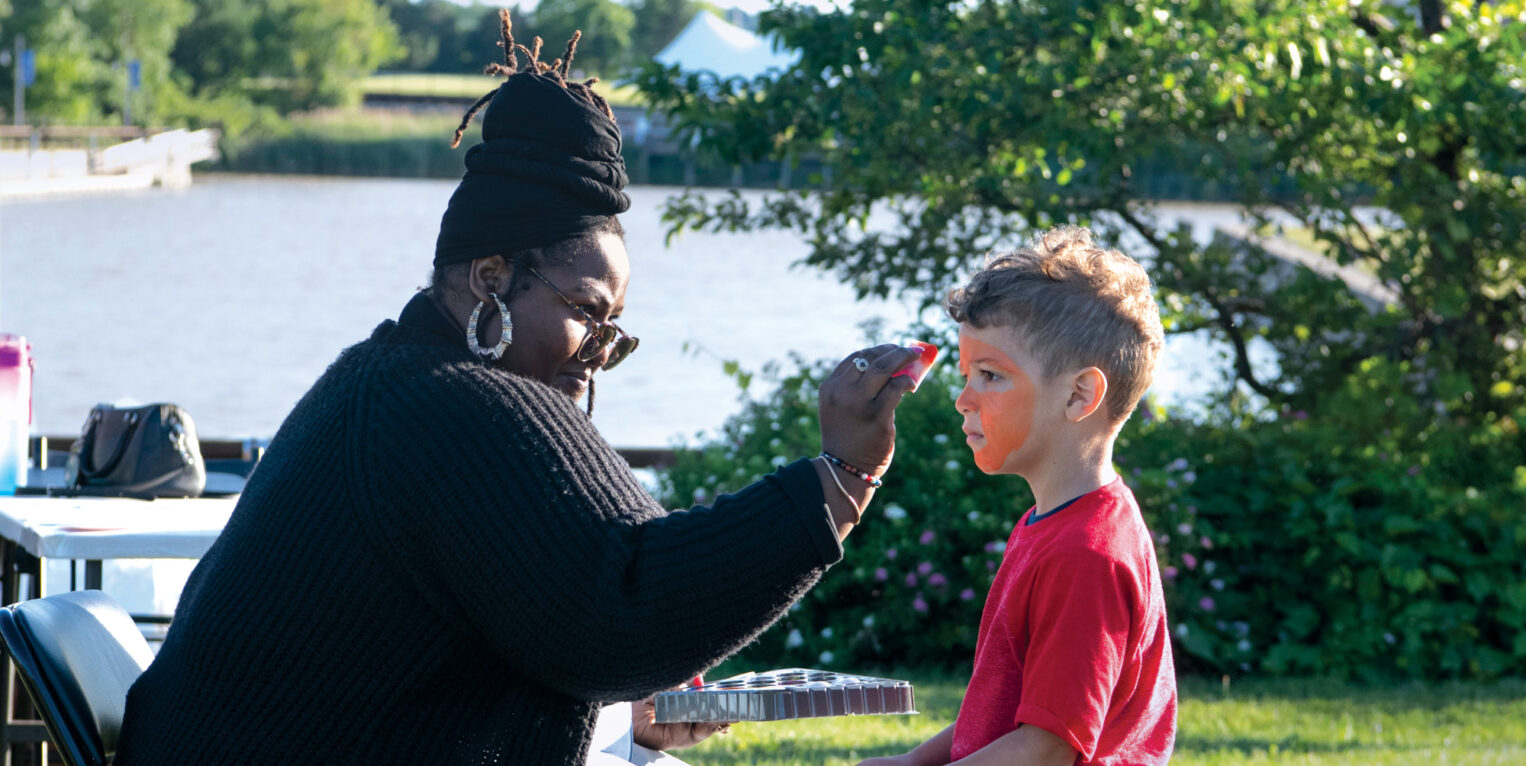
52, 448
38, 137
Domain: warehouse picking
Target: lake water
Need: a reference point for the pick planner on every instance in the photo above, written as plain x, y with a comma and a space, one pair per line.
231, 297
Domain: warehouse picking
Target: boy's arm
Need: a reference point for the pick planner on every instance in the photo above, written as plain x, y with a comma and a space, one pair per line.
934, 752
1027, 745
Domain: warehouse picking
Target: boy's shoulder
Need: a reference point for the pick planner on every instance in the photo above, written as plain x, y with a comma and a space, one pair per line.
1103, 526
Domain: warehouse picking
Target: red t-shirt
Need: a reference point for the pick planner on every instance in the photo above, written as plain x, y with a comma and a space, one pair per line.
1073, 639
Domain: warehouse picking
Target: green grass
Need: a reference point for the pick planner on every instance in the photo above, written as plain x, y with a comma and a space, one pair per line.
1281, 721
472, 86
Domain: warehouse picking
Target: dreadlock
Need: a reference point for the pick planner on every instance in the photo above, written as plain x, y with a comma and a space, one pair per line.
558, 70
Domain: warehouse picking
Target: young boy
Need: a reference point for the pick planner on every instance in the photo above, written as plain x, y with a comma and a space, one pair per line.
1057, 341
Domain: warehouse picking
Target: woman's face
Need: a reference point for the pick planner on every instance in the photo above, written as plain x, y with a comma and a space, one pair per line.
548, 332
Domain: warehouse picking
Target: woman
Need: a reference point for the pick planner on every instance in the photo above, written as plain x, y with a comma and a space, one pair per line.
439, 560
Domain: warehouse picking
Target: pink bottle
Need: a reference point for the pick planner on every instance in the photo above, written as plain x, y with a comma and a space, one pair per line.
15, 411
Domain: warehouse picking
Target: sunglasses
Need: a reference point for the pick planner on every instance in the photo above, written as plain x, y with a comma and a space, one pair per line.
600, 334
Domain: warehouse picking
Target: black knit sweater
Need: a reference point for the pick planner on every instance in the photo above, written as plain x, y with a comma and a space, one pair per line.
438, 562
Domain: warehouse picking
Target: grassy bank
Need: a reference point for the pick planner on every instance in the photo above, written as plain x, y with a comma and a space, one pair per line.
1311, 723
353, 142
470, 86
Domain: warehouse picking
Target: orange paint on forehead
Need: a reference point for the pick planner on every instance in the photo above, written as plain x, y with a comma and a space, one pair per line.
1001, 394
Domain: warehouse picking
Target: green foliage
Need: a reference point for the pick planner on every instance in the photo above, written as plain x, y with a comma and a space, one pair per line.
910, 587
658, 22
607, 27
81, 50
1378, 540
223, 63
962, 126
287, 54
1365, 496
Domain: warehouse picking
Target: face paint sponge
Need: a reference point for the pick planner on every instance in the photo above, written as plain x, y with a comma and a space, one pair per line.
919, 367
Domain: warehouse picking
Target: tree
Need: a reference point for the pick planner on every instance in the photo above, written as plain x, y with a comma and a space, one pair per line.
82, 48
1377, 471
973, 123
607, 27
292, 54
658, 22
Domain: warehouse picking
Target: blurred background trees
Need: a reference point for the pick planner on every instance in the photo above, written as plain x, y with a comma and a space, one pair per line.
1353, 499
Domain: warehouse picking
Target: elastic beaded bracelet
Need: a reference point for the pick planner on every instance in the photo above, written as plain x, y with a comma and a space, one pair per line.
869, 478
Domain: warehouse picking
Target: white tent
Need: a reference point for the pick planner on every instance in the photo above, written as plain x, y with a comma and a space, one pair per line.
709, 43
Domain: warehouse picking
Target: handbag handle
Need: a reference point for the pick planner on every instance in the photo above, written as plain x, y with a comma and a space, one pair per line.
87, 449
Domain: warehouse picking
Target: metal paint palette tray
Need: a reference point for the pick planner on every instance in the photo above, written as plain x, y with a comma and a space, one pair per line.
781, 695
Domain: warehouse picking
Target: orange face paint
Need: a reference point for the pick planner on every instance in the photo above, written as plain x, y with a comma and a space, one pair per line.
1000, 394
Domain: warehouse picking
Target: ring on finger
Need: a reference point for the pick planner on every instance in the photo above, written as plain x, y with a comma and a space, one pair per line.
861, 364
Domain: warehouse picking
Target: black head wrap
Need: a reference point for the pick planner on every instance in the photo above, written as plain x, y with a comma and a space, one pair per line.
549, 166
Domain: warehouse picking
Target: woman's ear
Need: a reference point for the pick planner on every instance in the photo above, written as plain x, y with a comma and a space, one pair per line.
489, 275
1088, 389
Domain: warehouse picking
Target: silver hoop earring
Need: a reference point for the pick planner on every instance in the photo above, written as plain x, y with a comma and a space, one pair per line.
504, 340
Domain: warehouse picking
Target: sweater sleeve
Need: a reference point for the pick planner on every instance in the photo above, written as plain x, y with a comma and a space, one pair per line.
518, 524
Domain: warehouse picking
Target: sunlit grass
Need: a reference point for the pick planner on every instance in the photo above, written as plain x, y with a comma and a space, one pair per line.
1281, 721
471, 86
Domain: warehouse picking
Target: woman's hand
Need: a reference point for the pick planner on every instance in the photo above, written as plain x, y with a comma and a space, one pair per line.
858, 407
667, 736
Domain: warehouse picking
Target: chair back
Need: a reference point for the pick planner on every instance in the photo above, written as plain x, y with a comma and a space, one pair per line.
77, 654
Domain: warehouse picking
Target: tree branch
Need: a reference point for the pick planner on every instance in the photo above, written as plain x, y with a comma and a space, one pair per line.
1224, 317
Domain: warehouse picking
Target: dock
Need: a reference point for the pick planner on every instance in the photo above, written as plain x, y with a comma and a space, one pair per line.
43, 161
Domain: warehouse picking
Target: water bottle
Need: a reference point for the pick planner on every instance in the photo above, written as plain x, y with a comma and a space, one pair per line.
15, 411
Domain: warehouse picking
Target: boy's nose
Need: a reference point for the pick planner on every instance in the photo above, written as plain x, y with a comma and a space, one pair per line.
965, 404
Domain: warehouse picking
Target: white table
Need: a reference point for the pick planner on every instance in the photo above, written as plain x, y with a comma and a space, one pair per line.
33, 529
95, 528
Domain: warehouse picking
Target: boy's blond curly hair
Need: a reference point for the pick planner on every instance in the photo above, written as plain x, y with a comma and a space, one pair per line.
1074, 304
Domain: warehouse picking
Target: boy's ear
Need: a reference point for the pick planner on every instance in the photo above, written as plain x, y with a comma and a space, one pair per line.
1088, 389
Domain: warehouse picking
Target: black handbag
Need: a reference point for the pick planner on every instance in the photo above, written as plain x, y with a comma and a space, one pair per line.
149, 451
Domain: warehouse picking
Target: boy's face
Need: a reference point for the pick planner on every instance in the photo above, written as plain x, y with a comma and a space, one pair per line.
1000, 397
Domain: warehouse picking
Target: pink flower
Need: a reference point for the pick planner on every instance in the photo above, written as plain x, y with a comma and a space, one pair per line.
917, 604
991, 566
924, 567
968, 594
1190, 560
892, 553
881, 575
911, 579
937, 580
1301, 415
1206, 543
1206, 604
1184, 528
927, 537
1169, 573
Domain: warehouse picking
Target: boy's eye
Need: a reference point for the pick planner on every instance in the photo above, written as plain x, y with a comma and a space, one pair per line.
989, 376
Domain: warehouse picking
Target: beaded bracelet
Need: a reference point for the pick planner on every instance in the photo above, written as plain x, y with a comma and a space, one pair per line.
869, 478
844, 490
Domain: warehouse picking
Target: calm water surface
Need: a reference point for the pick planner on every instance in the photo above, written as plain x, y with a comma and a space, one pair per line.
232, 296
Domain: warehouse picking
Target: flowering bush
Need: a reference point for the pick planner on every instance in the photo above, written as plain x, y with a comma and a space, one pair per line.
914, 574
1371, 539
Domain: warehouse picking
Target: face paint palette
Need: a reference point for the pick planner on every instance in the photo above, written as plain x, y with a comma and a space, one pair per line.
781, 695
919, 367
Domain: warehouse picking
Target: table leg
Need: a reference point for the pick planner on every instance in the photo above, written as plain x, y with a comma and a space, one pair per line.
93, 574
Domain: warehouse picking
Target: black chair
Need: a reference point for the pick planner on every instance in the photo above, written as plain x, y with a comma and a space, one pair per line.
76, 653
